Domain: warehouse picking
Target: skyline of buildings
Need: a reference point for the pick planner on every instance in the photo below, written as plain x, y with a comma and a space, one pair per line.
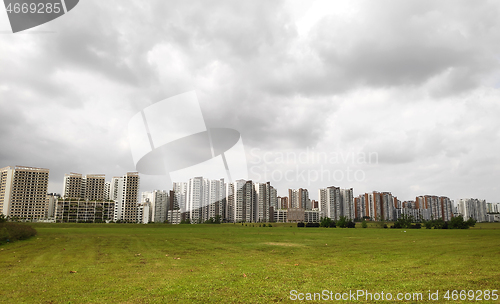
23, 194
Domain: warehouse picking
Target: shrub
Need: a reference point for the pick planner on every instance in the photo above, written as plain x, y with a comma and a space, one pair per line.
326, 222
312, 225
269, 225
216, 220
300, 225
263, 225
458, 222
364, 224
416, 226
471, 222
10, 232
332, 224
351, 224
342, 222
404, 221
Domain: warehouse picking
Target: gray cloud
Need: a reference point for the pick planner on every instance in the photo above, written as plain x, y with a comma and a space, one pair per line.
411, 81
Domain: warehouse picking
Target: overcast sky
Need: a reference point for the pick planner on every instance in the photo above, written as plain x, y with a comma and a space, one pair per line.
414, 83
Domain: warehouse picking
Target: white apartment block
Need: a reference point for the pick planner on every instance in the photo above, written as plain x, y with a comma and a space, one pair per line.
330, 202
299, 198
180, 195
262, 202
158, 203
74, 210
72, 186
23, 192
125, 192
143, 212
347, 198
473, 208
91, 186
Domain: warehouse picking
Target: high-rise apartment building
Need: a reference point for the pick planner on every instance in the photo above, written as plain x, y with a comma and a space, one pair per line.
265, 198
158, 203
72, 186
80, 210
124, 191
335, 202
23, 192
347, 198
435, 207
180, 195
241, 196
472, 208
299, 198
91, 186
94, 186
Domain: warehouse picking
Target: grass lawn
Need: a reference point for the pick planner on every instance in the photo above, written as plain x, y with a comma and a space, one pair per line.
126, 263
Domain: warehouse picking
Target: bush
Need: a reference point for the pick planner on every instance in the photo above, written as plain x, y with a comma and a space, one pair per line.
300, 225
471, 222
404, 221
351, 224
416, 226
312, 225
332, 224
269, 225
10, 232
326, 222
263, 225
342, 222
364, 224
216, 220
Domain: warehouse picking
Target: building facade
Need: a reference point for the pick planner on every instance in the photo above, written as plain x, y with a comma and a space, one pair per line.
23, 192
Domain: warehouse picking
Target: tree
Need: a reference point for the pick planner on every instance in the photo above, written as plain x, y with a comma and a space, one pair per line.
364, 224
381, 222
326, 222
439, 224
471, 222
404, 221
345, 222
428, 224
342, 222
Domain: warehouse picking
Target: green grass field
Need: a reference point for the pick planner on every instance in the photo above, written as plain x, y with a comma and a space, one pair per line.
126, 263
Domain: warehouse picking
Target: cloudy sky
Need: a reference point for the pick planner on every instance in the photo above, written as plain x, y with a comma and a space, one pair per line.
314, 88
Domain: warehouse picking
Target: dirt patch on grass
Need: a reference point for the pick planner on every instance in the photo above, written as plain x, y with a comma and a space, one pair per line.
284, 244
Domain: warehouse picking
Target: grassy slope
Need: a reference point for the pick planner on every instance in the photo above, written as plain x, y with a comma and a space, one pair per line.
214, 260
